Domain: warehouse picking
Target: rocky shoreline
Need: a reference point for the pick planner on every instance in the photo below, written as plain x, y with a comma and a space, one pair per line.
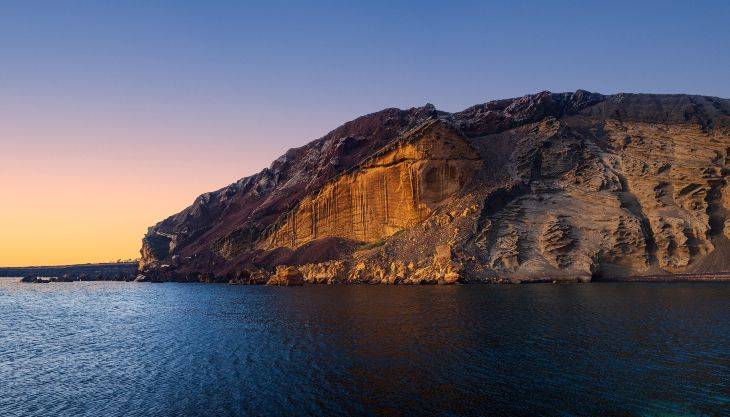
704, 277
293, 276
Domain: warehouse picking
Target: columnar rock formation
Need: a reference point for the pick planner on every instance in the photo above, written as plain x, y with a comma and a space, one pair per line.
572, 186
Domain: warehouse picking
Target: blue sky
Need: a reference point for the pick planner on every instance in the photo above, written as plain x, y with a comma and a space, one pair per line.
347, 58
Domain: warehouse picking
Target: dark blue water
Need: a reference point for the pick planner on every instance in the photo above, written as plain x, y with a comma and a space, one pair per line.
109, 349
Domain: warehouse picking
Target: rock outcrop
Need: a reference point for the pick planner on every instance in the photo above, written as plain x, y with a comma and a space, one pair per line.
330, 272
546, 187
286, 276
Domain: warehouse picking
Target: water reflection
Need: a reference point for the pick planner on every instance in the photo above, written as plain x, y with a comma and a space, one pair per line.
93, 348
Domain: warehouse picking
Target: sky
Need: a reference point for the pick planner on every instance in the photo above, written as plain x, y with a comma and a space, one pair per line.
117, 114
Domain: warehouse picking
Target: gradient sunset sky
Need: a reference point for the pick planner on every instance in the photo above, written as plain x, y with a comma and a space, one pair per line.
116, 114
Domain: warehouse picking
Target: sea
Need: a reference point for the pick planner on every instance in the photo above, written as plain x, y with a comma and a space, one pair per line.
142, 349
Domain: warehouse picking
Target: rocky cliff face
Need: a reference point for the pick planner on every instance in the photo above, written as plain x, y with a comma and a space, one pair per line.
394, 189
572, 186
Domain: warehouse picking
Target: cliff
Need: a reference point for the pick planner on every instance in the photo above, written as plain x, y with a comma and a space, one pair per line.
570, 186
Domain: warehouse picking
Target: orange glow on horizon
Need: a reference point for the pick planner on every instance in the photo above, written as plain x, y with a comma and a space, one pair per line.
66, 202
66, 213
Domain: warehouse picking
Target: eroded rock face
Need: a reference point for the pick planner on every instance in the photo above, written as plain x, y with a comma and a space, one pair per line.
567, 186
556, 242
394, 190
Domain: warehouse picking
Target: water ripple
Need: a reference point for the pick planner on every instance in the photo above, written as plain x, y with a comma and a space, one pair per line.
108, 349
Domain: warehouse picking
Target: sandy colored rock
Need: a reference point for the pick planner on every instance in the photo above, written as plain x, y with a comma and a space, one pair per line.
546, 187
330, 272
393, 190
286, 276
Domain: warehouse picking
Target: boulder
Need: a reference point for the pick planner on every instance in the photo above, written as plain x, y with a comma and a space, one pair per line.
286, 276
257, 277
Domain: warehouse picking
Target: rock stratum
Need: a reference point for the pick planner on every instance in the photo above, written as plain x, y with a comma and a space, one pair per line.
558, 187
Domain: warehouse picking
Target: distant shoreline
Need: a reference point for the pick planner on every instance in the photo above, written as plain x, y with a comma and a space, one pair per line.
109, 269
